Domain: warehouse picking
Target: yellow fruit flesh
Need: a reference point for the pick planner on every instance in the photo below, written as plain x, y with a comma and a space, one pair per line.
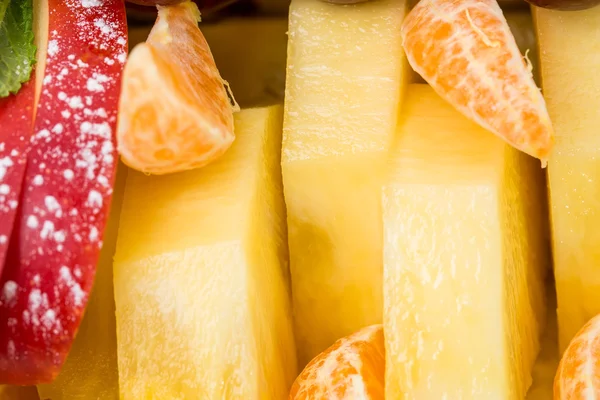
345, 76
250, 55
91, 367
203, 308
570, 60
464, 258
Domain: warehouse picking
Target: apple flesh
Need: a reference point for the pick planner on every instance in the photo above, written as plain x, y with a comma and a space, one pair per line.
565, 5
67, 189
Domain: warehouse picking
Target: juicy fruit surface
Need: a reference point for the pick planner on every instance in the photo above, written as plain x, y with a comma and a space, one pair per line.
50, 267
16, 116
464, 261
465, 50
95, 345
352, 368
578, 374
572, 87
342, 95
565, 5
174, 112
201, 291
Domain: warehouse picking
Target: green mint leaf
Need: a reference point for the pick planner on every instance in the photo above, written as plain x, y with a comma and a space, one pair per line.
17, 49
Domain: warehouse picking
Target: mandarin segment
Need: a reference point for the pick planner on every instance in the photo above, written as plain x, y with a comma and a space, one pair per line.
352, 368
578, 375
465, 50
174, 112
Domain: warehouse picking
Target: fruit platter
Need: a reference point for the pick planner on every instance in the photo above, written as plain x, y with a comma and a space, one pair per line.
302, 200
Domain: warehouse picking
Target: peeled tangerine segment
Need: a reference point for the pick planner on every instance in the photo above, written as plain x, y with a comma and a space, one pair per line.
571, 84
91, 366
203, 306
464, 258
174, 112
345, 76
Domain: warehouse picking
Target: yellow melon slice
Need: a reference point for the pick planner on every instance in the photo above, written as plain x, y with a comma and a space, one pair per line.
464, 258
570, 60
201, 279
345, 77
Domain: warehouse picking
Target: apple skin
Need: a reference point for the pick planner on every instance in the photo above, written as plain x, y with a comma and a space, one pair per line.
67, 190
16, 120
565, 5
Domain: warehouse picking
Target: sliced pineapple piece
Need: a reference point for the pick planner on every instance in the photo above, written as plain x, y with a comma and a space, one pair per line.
346, 75
570, 60
201, 281
464, 258
91, 367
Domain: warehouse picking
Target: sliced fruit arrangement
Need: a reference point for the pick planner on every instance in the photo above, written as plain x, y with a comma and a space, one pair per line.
352, 368
573, 95
342, 97
465, 50
417, 217
201, 280
174, 112
57, 235
464, 263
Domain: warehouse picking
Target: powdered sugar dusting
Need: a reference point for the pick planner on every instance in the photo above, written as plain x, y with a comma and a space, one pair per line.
71, 160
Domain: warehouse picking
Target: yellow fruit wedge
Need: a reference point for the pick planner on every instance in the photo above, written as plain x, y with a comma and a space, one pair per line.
201, 280
345, 76
18, 393
464, 258
91, 367
570, 60
250, 54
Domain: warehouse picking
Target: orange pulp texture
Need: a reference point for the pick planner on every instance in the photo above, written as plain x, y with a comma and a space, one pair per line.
578, 374
352, 368
174, 111
465, 50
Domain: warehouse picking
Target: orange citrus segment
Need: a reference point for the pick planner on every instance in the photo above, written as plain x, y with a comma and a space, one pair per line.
352, 368
465, 50
174, 111
578, 375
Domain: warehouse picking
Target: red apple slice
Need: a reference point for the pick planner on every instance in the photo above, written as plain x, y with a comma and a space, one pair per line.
67, 191
16, 120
